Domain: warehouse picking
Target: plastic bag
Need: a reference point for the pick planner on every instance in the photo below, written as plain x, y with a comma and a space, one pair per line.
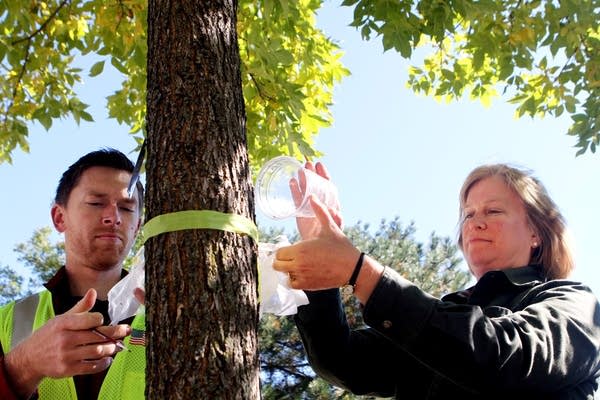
276, 295
122, 303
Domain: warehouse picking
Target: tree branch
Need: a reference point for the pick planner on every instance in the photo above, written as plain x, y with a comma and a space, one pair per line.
42, 26
260, 92
27, 52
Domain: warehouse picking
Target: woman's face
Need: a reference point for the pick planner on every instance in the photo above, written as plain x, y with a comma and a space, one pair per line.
495, 231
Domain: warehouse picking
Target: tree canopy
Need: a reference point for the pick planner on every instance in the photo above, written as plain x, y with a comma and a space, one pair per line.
544, 55
289, 68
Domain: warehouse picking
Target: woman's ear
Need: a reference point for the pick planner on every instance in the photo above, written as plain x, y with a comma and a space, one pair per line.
535, 241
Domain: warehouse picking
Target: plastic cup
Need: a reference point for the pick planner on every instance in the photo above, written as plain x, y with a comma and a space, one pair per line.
283, 187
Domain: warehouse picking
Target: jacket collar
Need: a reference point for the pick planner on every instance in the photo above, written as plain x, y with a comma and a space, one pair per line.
524, 276
496, 283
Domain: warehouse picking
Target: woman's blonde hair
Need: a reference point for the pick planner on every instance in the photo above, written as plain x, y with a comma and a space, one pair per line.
554, 252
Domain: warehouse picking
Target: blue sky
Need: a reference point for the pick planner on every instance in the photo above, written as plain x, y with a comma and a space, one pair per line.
391, 153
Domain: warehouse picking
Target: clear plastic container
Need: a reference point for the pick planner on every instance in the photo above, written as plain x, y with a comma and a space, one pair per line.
283, 187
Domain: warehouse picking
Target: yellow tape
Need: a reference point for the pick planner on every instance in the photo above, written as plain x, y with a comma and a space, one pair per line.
199, 219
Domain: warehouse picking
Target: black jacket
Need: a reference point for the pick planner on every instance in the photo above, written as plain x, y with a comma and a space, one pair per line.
511, 336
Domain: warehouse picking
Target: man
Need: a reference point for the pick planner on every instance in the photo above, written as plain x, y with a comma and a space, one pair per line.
55, 345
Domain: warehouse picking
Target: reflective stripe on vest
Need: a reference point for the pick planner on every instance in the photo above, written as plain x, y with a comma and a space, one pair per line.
19, 319
23, 318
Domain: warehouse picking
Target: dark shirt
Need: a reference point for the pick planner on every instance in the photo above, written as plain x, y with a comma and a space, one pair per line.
87, 386
512, 335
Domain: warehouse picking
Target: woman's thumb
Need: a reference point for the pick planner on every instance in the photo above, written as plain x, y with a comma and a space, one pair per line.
325, 218
86, 303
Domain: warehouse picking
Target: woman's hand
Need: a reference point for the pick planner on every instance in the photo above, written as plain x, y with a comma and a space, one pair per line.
309, 227
325, 259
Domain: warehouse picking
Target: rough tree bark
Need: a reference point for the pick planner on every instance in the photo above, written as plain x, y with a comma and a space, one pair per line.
202, 312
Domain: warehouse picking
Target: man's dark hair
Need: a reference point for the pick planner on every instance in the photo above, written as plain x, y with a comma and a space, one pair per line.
100, 158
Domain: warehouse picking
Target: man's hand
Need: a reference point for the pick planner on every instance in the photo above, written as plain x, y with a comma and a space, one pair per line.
65, 346
140, 295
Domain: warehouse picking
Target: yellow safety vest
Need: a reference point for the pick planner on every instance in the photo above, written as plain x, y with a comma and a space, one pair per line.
125, 378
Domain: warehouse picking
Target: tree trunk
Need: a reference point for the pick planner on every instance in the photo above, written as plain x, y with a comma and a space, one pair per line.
202, 310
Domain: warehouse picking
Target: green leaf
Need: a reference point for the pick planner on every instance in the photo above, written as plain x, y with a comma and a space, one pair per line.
3, 50
118, 65
570, 104
97, 69
86, 116
45, 120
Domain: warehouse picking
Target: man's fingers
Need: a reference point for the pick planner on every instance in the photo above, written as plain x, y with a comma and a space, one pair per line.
81, 367
114, 331
84, 353
140, 295
85, 304
87, 367
92, 364
79, 317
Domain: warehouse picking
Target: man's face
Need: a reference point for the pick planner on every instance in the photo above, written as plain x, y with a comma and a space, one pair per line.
99, 220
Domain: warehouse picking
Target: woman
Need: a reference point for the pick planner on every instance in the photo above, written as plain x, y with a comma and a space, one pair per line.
522, 330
